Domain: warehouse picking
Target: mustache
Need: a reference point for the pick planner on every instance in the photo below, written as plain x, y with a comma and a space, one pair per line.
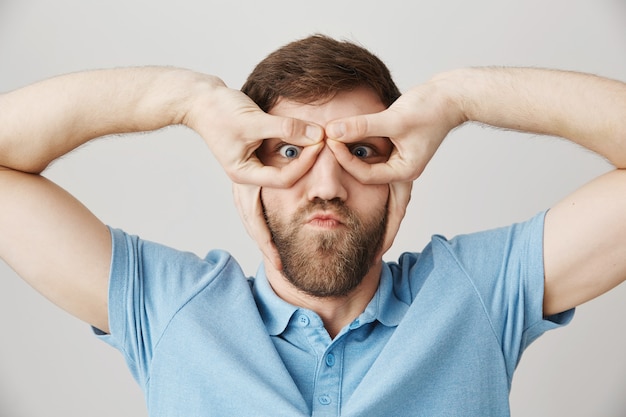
338, 206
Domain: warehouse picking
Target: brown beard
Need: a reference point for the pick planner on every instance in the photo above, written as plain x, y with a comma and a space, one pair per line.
329, 263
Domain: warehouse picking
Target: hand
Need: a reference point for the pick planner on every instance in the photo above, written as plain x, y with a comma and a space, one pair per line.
416, 124
233, 127
248, 202
399, 197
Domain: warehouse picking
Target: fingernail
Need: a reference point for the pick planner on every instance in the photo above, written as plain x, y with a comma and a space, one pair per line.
313, 132
336, 130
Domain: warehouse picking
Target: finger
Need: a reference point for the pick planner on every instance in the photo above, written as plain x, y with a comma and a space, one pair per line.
395, 169
351, 129
295, 169
248, 203
399, 197
353, 165
291, 130
254, 172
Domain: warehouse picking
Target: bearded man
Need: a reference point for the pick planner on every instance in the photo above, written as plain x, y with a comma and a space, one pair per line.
322, 148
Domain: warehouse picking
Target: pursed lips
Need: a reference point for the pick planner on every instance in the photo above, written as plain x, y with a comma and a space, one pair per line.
324, 219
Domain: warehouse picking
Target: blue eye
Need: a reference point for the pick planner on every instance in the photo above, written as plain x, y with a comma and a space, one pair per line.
289, 151
362, 151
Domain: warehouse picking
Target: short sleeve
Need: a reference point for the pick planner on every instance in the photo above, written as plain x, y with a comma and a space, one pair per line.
148, 284
505, 266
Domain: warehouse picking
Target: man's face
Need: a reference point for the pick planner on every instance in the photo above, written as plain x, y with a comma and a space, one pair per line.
328, 228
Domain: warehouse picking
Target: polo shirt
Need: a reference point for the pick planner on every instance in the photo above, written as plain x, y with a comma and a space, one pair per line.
441, 336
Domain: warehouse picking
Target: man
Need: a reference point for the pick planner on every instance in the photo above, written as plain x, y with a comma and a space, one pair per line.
323, 171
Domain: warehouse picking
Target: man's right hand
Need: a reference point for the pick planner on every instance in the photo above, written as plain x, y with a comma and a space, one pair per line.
48, 237
233, 127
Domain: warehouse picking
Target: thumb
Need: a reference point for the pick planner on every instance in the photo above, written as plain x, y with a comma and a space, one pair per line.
291, 130
353, 128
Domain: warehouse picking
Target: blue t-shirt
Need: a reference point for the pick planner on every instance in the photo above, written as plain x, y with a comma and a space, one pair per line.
441, 337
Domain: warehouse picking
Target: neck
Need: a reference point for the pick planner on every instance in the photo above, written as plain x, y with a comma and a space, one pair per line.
335, 312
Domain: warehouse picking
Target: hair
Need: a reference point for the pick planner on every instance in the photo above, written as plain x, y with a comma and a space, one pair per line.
315, 69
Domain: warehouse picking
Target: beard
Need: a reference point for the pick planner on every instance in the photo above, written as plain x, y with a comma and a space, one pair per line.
328, 263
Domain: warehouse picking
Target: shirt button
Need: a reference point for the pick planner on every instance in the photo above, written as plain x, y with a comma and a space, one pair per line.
303, 320
330, 359
355, 324
324, 400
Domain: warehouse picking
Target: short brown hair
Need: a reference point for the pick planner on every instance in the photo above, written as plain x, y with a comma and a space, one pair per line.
317, 68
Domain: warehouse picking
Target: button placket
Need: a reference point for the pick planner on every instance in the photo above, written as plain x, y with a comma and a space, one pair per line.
324, 400
328, 383
330, 360
326, 394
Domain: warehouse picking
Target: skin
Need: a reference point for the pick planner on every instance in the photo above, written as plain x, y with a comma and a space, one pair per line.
327, 180
52, 240
584, 244
60, 248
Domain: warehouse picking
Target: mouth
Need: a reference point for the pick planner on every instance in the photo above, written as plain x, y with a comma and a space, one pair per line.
324, 220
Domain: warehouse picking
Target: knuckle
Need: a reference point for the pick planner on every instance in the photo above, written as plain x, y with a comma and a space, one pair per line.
361, 126
283, 181
235, 175
289, 127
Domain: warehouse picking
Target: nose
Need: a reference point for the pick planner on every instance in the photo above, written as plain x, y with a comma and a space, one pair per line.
325, 179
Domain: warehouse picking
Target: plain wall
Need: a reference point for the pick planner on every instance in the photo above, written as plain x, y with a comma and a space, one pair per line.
166, 186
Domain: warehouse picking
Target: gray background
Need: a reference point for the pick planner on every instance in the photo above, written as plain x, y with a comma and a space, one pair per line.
167, 187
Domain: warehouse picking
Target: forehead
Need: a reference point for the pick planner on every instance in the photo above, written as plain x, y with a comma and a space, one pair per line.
344, 104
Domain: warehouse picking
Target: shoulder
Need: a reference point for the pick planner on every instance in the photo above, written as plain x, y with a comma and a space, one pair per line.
485, 255
163, 269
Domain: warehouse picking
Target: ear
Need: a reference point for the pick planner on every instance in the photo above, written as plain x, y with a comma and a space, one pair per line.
250, 208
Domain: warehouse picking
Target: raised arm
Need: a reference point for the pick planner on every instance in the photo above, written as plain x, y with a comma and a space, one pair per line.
584, 244
48, 237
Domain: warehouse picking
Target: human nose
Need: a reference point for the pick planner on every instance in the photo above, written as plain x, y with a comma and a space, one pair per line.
326, 177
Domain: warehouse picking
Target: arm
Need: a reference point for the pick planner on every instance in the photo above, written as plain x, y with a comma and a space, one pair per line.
47, 236
584, 247
45, 120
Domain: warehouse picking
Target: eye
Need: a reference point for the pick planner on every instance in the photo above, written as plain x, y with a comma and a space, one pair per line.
289, 151
362, 151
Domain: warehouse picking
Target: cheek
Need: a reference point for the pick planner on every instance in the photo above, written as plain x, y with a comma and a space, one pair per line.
383, 193
275, 201
377, 194
371, 198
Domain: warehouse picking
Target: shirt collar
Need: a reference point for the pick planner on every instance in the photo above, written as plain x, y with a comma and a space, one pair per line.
385, 306
276, 312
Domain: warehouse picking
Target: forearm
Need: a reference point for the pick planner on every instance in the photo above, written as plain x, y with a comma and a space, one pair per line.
43, 121
583, 108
